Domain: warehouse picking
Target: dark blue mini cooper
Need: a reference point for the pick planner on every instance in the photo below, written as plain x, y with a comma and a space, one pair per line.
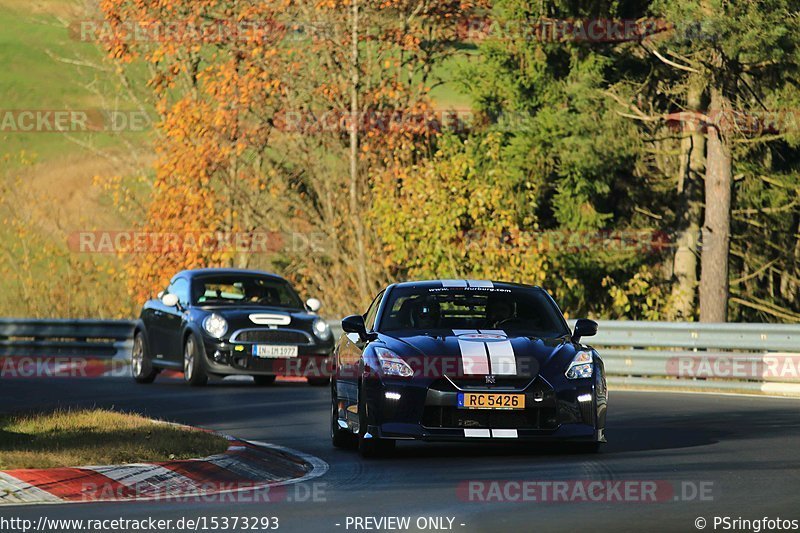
222, 322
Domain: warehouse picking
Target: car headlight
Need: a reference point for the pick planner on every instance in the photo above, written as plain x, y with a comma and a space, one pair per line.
215, 325
392, 365
581, 366
322, 329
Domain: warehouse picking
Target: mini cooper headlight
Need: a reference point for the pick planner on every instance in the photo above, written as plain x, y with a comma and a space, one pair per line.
215, 325
581, 366
392, 365
322, 329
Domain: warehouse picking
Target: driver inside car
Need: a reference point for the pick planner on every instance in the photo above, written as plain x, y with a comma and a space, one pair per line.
426, 314
498, 311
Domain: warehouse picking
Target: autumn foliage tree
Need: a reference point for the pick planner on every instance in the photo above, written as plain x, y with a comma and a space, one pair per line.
249, 143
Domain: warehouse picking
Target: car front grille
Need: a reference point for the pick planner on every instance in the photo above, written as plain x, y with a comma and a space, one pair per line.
453, 417
272, 336
540, 412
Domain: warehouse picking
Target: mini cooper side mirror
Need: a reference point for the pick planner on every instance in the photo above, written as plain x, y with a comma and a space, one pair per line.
355, 324
313, 304
170, 300
584, 328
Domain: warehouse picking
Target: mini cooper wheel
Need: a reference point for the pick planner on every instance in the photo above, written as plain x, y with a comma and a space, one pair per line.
141, 367
193, 372
263, 381
369, 445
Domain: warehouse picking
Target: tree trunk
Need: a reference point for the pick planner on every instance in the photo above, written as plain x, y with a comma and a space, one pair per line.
355, 214
684, 266
717, 225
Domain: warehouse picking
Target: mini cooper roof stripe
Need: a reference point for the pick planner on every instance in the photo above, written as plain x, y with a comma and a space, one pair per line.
479, 283
454, 283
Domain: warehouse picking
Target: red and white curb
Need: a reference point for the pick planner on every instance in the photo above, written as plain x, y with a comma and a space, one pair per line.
246, 466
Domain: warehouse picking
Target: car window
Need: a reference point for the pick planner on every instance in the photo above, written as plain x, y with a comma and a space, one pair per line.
372, 312
523, 310
244, 289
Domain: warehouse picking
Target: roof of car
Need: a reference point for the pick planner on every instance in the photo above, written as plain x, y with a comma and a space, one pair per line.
198, 272
463, 283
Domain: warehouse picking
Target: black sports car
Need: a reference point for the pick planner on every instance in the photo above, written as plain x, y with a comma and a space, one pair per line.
218, 322
464, 360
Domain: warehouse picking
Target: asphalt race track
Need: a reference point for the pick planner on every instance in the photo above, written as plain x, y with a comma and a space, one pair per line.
740, 452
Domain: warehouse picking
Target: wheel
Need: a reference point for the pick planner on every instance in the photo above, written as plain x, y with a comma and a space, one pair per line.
341, 438
193, 372
262, 381
318, 382
141, 367
370, 446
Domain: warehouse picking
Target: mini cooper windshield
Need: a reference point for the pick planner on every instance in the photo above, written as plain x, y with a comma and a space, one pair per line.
252, 290
449, 308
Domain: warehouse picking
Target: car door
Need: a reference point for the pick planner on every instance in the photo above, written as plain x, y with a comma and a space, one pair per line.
153, 318
172, 321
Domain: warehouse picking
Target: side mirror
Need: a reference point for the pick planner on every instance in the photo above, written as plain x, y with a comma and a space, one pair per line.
355, 324
170, 300
313, 304
584, 328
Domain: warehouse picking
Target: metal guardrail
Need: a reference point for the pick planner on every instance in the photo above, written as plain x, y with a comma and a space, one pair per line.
687, 355
44, 338
737, 357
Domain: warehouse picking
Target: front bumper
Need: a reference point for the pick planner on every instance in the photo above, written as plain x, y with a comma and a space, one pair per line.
225, 358
428, 411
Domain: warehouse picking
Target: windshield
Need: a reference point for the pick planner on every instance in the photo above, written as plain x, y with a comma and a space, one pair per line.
519, 310
244, 290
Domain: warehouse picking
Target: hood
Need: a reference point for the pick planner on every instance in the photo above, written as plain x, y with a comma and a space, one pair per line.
239, 316
464, 353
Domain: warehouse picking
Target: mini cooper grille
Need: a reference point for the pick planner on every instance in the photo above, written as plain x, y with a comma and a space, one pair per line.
274, 336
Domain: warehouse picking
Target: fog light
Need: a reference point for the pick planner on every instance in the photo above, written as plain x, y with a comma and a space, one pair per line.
585, 398
220, 356
392, 395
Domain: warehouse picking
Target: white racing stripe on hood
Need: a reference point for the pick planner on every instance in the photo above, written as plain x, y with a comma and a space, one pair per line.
480, 433
501, 354
473, 357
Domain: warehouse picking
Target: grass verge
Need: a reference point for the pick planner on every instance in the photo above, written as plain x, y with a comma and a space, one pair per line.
97, 437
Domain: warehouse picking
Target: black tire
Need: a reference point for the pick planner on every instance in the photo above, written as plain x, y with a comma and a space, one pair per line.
263, 381
194, 373
141, 365
370, 446
340, 438
318, 382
